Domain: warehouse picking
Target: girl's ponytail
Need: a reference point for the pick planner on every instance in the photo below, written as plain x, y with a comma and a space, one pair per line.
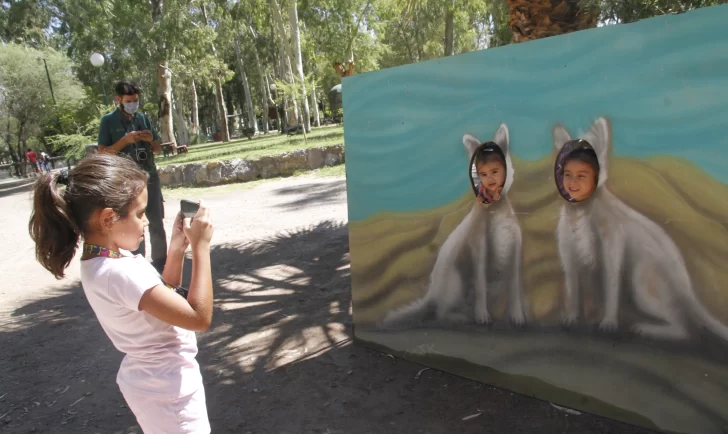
52, 225
62, 215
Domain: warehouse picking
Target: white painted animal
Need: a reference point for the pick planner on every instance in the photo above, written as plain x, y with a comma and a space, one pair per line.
491, 235
603, 234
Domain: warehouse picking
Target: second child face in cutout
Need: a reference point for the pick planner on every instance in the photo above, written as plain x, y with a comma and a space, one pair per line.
580, 180
128, 233
492, 175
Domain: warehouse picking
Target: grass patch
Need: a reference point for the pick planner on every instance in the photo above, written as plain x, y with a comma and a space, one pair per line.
329, 171
176, 193
270, 144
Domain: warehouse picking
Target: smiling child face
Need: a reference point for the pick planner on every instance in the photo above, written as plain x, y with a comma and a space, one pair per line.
580, 180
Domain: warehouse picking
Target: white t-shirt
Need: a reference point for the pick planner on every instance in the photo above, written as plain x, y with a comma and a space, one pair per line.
160, 358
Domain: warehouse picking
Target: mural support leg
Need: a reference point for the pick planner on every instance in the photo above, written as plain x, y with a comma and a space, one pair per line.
480, 257
518, 315
612, 254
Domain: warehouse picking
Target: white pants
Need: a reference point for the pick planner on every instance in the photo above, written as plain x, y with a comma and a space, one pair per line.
186, 415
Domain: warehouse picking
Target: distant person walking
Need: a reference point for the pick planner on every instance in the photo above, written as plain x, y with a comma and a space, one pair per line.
32, 158
45, 162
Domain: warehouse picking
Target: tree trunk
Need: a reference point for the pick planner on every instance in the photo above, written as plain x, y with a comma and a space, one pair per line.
286, 70
164, 89
536, 19
252, 123
222, 111
296, 46
264, 89
449, 31
11, 151
180, 123
267, 103
290, 111
218, 88
195, 111
418, 41
347, 68
314, 103
164, 81
20, 168
293, 101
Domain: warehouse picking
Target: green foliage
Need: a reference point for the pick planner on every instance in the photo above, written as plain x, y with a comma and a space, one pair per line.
25, 22
26, 103
79, 127
627, 11
135, 37
196, 139
70, 145
260, 146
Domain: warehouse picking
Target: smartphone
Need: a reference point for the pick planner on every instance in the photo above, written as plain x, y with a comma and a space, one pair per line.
189, 208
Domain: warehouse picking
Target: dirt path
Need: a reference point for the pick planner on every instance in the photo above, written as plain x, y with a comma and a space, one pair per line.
278, 358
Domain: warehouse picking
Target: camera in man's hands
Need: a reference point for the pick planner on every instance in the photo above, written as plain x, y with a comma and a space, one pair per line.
140, 154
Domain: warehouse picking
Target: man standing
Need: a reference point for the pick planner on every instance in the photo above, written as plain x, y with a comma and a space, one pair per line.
32, 158
128, 132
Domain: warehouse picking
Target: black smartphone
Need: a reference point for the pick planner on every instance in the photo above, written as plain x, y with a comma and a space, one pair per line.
189, 208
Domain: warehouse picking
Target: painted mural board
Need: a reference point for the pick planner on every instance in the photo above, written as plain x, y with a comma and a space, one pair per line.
552, 217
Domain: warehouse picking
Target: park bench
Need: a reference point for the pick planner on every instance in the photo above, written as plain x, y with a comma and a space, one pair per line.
169, 148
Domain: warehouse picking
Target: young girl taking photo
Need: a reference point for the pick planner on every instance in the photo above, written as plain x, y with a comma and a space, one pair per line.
103, 201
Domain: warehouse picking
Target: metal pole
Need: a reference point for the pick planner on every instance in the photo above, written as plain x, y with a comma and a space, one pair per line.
103, 88
48, 74
53, 96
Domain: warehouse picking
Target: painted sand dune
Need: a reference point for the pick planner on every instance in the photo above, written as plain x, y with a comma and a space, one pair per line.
628, 379
392, 253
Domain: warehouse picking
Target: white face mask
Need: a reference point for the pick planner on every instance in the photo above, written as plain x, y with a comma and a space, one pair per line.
131, 107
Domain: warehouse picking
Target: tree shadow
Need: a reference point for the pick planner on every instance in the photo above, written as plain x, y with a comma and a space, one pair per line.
16, 188
277, 359
311, 193
54, 353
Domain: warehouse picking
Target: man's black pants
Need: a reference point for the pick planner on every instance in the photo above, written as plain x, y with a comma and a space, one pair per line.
155, 215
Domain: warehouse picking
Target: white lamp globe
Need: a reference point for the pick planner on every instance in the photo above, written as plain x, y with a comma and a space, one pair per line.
273, 87
97, 60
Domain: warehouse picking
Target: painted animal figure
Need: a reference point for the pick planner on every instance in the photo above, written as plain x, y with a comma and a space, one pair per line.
604, 234
491, 235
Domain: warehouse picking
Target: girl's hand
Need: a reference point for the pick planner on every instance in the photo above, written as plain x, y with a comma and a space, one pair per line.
497, 193
479, 198
178, 242
199, 230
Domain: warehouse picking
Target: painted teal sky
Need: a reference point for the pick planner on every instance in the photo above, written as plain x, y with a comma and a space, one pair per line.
662, 82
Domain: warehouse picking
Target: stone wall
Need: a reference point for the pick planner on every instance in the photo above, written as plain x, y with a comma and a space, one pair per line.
239, 170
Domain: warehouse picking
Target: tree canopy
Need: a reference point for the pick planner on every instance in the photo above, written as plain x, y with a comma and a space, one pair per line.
209, 64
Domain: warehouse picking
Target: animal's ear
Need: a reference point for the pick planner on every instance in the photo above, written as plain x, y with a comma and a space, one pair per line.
598, 137
560, 136
502, 138
471, 144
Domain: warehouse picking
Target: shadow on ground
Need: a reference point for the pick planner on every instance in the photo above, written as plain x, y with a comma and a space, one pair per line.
11, 188
311, 194
278, 359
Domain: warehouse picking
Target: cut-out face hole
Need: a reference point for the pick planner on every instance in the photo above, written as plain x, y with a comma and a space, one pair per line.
576, 170
488, 172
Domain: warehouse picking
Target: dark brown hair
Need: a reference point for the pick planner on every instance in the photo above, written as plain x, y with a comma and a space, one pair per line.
126, 87
489, 152
586, 155
61, 215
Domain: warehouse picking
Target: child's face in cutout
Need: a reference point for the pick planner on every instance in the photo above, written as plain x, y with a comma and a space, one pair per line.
580, 180
128, 233
492, 174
